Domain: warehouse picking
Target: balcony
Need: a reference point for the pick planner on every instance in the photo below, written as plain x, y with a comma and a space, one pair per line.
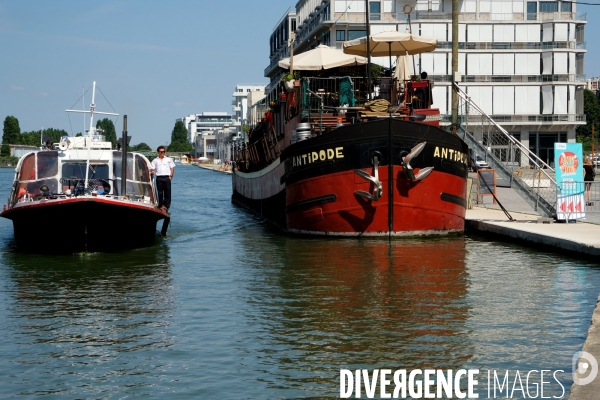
465, 17
462, 17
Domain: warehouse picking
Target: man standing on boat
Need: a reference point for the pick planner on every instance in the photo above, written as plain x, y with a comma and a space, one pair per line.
164, 168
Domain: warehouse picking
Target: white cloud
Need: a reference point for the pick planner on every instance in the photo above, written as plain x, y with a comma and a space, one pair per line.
17, 87
179, 103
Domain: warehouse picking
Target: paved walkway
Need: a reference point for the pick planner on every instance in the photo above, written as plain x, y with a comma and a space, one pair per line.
215, 167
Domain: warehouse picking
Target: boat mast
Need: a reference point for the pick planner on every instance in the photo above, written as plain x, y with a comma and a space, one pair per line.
368, 51
92, 130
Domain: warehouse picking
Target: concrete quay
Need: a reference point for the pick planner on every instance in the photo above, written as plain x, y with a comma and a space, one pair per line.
215, 167
591, 346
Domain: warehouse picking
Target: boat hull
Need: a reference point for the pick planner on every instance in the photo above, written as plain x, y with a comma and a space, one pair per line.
83, 224
318, 190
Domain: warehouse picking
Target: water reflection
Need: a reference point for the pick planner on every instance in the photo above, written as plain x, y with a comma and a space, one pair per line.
75, 315
332, 304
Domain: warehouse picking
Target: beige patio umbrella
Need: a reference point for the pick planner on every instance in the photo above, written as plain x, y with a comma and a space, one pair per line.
322, 57
394, 42
390, 43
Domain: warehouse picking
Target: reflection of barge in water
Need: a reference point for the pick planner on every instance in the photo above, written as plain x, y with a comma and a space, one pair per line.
353, 174
69, 197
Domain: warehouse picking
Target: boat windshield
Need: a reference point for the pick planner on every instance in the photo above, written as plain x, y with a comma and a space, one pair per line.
76, 170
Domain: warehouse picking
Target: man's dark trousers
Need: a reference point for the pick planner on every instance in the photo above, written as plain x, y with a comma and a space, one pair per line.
163, 186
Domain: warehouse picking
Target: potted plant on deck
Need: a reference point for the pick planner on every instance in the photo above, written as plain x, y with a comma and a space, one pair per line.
288, 80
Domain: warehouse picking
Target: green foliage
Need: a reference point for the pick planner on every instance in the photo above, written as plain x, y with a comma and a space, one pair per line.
141, 147
179, 139
5, 150
591, 109
376, 71
180, 133
8, 161
180, 147
33, 138
11, 130
110, 133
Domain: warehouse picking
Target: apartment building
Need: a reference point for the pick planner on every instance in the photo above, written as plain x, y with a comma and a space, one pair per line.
243, 97
200, 129
520, 61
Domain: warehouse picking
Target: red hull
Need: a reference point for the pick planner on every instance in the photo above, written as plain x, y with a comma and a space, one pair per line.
418, 207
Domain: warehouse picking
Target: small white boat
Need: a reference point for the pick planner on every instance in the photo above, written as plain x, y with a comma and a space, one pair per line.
75, 196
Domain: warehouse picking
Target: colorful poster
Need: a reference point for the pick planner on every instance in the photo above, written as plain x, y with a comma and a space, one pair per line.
570, 201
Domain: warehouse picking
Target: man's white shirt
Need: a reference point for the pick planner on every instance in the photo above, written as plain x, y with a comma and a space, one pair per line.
162, 167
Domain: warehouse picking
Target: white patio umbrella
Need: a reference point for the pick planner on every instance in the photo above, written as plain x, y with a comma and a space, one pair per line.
322, 57
402, 71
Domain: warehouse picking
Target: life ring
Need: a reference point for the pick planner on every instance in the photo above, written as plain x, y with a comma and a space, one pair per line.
407, 9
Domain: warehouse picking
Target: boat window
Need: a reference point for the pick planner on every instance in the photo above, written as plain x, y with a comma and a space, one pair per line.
134, 189
141, 171
33, 188
28, 168
76, 170
117, 165
47, 164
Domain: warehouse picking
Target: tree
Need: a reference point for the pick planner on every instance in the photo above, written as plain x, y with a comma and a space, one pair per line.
12, 131
179, 139
33, 138
5, 150
110, 133
180, 133
591, 109
141, 147
178, 147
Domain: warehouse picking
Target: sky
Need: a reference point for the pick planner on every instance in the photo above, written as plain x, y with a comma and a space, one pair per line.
154, 61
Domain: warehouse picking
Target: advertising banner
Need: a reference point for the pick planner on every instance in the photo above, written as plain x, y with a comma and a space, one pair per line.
570, 201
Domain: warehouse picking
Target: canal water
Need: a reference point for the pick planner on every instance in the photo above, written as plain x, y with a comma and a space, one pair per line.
225, 307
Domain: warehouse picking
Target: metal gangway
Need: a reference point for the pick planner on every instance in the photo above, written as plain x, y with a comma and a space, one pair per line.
529, 176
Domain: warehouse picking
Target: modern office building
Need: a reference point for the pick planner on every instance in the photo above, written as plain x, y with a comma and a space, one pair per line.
215, 144
520, 61
204, 124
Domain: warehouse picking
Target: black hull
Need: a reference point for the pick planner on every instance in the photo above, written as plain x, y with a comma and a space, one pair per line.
83, 226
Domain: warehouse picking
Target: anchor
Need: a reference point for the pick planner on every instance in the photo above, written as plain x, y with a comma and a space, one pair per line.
378, 189
409, 173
